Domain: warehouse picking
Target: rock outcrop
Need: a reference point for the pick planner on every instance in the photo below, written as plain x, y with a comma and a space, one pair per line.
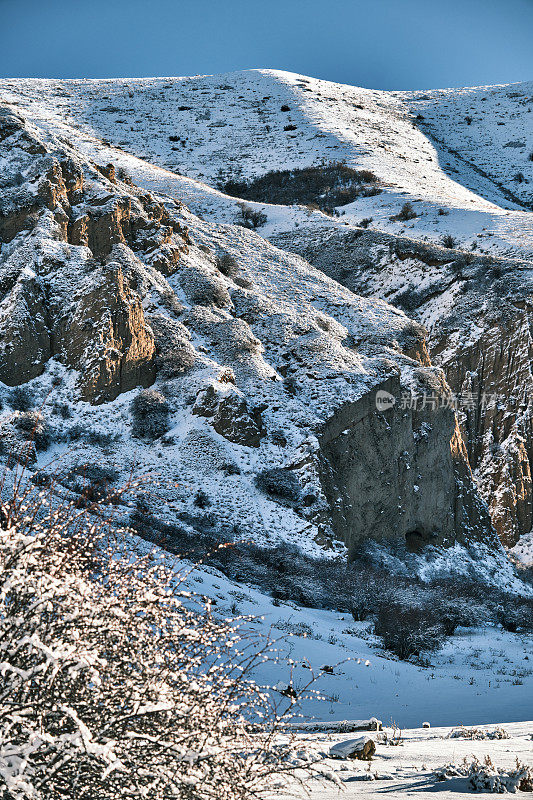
400, 473
24, 333
106, 337
230, 415
478, 311
61, 293
263, 417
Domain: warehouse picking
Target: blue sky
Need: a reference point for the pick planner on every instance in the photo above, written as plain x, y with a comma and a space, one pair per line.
388, 44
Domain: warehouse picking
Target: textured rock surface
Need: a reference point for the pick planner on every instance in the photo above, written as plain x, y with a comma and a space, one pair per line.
24, 335
62, 295
106, 337
267, 368
478, 313
230, 415
400, 474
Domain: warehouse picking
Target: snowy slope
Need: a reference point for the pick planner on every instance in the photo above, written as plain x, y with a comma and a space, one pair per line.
232, 125
479, 676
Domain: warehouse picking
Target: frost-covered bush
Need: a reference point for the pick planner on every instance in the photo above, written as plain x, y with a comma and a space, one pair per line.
324, 186
227, 265
251, 218
150, 413
21, 398
203, 289
406, 213
279, 482
449, 241
478, 733
408, 630
34, 426
115, 683
485, 777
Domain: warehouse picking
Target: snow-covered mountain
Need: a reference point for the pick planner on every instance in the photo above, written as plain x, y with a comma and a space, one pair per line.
459, 162
258, 367
467, 151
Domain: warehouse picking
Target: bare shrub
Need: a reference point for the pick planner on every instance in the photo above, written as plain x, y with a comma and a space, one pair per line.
115, 683
406, 213
449, 241
250, 218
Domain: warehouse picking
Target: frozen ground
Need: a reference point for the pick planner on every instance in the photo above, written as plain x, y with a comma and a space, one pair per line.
409, 769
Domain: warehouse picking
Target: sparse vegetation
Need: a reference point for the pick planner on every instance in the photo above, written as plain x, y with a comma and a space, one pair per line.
406, 213
326, 186
449, 241
150, 414
250, 217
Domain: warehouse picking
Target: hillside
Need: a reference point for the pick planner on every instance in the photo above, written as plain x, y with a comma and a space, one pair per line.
257, 373
419, 145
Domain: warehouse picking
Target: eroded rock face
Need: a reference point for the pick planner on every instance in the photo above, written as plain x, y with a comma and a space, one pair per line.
479, 314
107, 339
24, 336
399, 474
69, 305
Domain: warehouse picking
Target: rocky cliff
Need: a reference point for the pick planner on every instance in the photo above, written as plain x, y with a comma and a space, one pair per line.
477, 310
264, 419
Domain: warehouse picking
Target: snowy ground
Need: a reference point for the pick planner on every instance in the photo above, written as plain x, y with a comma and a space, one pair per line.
409, 769
480, 676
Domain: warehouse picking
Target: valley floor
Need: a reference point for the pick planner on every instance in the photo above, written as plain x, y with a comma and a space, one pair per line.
409, 769
480, 676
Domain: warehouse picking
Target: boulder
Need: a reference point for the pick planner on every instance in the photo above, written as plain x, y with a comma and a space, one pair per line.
230, 415
362, 748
